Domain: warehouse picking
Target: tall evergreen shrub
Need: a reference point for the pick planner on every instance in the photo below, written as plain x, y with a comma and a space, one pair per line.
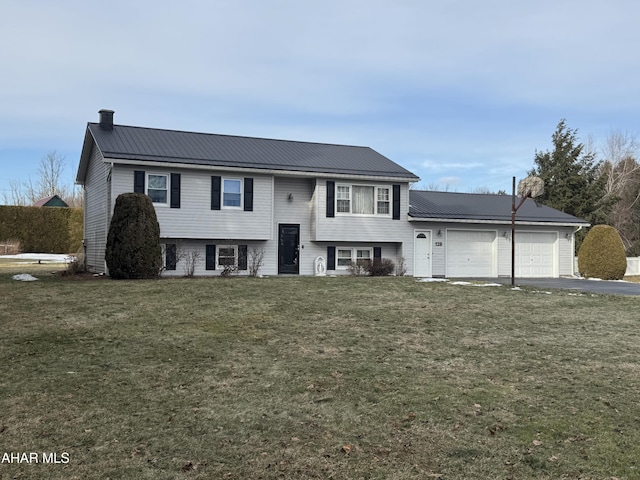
133, 243
602, 254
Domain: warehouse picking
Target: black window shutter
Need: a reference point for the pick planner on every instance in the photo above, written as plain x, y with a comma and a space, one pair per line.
331, 199
242, 257
396, 202
248, 195
171, 256
138, 181
175, 190
331, 258
377, 253
210, 257
216, 191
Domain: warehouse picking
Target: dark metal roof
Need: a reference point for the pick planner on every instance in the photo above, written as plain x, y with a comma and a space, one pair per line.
171, 146
482, 208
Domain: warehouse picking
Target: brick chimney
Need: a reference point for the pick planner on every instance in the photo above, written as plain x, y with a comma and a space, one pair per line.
106, 119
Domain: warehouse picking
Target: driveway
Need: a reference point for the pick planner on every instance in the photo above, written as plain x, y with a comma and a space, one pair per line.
577, 284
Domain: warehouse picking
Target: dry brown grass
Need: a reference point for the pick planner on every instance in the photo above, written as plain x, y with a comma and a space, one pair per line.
317, 378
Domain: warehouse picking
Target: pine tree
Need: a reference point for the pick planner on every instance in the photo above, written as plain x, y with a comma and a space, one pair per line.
573, 179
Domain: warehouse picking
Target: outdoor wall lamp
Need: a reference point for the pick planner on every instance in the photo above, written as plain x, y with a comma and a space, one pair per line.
290, 197
439, 233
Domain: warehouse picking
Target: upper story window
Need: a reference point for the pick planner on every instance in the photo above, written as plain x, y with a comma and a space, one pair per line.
363, 200
231, 192
383, 201
157, 188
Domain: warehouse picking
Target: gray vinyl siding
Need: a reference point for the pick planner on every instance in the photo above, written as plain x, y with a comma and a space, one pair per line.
357, 228
190, 246
391, 251
96, 211
297, 210
194, 218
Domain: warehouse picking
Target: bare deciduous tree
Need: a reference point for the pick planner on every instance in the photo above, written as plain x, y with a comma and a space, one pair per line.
622, 172
49, 182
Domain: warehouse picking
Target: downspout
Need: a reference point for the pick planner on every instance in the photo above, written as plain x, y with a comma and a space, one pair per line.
573, 251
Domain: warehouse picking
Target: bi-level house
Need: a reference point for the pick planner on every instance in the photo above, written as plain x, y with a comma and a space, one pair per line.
224, 196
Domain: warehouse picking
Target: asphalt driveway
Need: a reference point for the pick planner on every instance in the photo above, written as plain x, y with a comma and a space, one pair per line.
577, 284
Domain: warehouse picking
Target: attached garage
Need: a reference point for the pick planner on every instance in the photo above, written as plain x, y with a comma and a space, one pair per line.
472, 236
536, 254
471, 253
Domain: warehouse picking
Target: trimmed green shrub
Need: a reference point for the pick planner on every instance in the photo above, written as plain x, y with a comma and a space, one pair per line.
133, 243
602, 254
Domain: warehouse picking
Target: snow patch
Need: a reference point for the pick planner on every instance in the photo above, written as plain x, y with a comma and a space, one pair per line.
24, 277
429, 280
477, 284
41, 257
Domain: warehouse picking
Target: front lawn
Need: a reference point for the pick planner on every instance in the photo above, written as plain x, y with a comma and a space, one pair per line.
376, 378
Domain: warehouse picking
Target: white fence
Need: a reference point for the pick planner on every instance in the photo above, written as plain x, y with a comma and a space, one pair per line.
633, 266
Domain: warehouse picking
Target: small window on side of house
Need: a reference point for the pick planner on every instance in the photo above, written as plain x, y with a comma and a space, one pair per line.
157, 188
232, 193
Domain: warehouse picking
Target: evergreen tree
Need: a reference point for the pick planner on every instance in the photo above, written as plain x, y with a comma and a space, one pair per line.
133, 243
573, 179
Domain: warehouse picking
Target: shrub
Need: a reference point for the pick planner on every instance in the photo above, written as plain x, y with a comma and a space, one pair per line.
133, 243
602, 254
359, 268
381, 267
256, 260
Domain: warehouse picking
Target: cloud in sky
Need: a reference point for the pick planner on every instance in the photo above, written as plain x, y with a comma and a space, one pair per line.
446, 89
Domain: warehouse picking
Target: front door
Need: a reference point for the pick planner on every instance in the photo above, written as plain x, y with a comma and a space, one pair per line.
422, 245
288, 248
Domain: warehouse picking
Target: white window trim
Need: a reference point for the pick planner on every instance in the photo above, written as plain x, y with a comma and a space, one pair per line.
354, 255
375, 200
232, 207
146, 187
235, 256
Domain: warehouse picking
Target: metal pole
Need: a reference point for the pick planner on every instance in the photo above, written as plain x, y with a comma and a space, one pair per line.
513, 233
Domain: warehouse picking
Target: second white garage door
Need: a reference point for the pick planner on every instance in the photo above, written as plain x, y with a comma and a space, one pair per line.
471, 253
535, 254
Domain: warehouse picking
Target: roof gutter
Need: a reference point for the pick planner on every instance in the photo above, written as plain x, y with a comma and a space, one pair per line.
496, 222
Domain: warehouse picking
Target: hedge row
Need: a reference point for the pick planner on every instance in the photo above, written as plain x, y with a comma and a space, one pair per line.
42, 229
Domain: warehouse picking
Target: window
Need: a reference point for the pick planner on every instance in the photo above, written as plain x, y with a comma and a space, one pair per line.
363, 200
227, 256
345, 256
383, 201
343, 199
363, 257
363, 203
157, 188
231, 192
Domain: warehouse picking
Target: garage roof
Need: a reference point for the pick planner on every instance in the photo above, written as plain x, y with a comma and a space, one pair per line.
448, 206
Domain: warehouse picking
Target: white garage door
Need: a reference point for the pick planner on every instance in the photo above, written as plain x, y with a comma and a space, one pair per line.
535, 254
471, 253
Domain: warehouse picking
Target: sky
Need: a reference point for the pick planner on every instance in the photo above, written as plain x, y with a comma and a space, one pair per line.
461, 93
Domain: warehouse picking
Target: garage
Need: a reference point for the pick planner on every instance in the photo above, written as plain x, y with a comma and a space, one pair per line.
471, 253
535, 254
